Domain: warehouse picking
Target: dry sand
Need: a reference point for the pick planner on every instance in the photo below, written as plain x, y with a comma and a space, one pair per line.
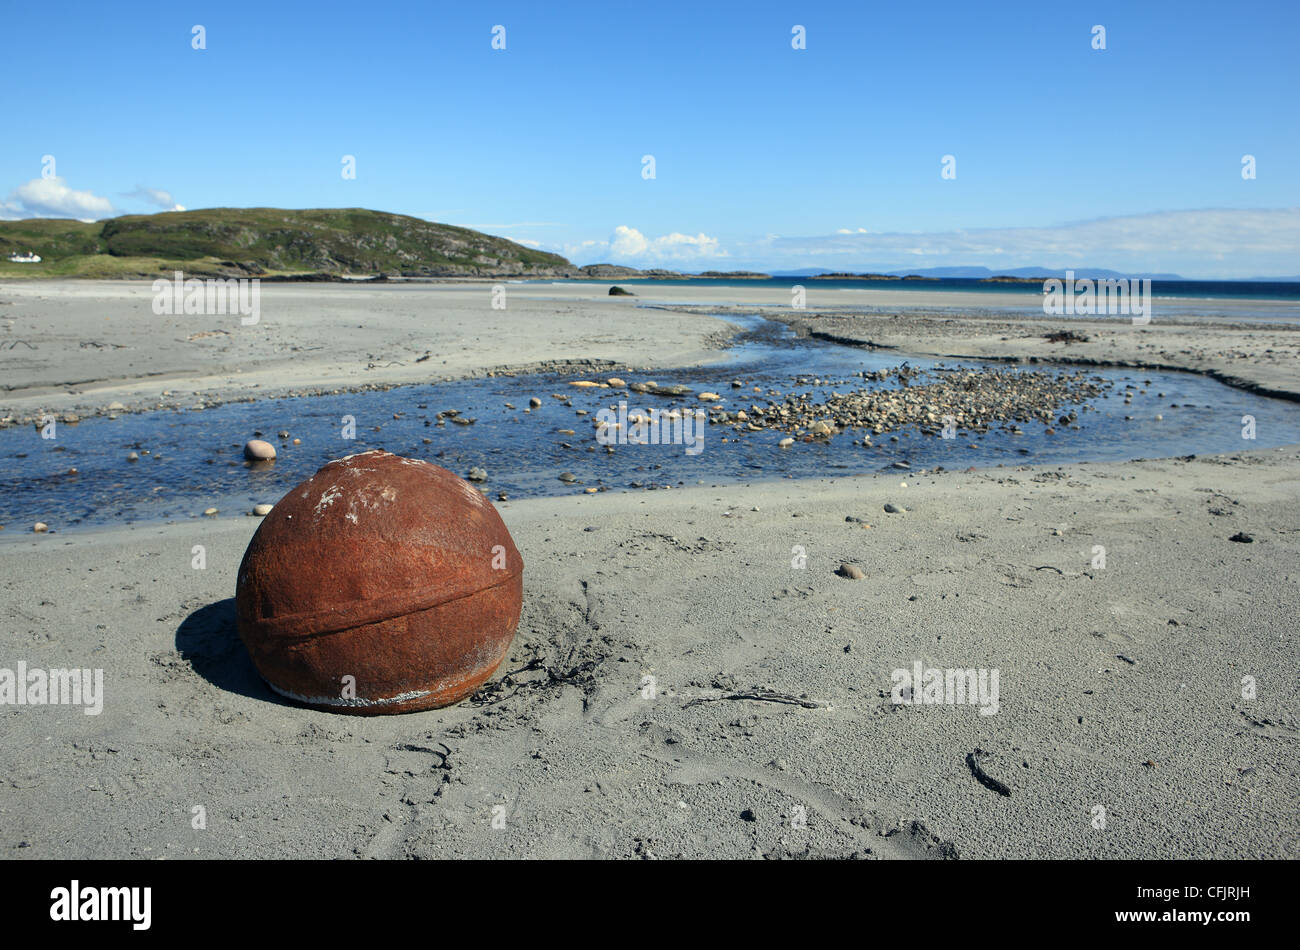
78, 346
1121, 688
696, 589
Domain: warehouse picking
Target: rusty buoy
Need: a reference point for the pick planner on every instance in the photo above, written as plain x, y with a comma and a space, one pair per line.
379, 585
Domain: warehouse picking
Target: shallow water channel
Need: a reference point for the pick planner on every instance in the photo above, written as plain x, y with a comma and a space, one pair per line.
192, 460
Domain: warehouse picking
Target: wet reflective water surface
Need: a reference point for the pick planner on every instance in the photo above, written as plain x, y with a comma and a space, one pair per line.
192, 460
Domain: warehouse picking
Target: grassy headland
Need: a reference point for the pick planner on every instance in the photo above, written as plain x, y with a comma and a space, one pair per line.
267, 242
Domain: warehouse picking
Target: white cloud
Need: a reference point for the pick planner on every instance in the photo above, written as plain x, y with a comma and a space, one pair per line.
629, 246
1214, 242
156, 197
627, 242
52, 198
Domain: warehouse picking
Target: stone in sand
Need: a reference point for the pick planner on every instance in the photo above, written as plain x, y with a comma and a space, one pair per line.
40, 527
894, 509
255, 450
851, 571
262, 510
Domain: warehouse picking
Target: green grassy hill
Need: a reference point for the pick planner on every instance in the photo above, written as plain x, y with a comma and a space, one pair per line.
267, 241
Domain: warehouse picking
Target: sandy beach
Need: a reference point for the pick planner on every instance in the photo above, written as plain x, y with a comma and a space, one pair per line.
80, 346
691, 676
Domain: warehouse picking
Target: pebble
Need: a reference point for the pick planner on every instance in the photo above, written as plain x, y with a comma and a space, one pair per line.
568, 478
257, 450
851, 571
133, 456
477, 474
262, 510
535, 402
297, 441
894, 509
40, 527
209, 512
616, 383
901, 465
708, 397
284, 434
785, 443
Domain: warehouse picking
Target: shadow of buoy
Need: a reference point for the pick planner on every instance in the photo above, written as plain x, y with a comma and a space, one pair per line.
208, 640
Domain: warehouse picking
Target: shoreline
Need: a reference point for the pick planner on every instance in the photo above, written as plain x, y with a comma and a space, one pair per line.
464, 338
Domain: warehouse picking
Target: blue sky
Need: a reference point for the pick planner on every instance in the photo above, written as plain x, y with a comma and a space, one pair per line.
765, 156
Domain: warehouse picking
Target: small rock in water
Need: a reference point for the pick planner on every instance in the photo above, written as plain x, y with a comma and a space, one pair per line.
262, 510
297, 441
785, 443
568, 478
40, 527
709, 397
615, 383
209, 512
255, 450
901, 465
851, 571
133, 456
535, 402
284, 434
477, 474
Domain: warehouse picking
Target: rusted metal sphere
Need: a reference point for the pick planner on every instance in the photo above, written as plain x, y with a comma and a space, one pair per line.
379, 585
